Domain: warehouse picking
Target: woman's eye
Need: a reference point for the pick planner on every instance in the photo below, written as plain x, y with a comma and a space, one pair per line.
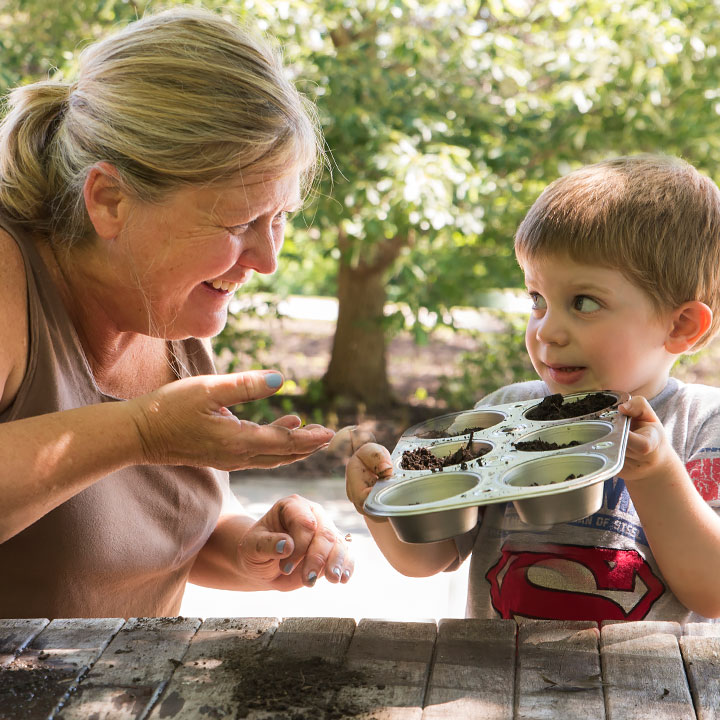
238, 229
281, 218
538, 301
585, 304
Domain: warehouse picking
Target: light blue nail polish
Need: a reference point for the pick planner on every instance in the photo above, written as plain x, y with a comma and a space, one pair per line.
288, 568
280, 546
336, 572
311, 578
346, 574
273, 380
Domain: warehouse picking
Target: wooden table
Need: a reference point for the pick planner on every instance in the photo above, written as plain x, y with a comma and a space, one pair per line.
268, 668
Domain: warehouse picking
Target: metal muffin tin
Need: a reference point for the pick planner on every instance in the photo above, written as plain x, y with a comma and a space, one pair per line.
425, 506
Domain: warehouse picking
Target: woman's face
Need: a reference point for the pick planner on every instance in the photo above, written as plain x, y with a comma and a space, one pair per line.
186, 257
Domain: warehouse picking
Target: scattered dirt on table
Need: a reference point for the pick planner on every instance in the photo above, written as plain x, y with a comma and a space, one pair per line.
424, 459
554, 408
289, 688
31, 690
542, 445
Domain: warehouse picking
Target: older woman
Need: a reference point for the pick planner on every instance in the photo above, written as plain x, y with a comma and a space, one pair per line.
133, 204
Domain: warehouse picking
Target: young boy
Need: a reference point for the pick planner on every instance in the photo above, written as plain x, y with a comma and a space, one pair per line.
622, 262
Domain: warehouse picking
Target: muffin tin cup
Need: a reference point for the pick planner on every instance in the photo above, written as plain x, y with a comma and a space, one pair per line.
547, 486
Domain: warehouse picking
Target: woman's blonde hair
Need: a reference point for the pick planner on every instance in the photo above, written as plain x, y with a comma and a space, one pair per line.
177, 98
654, 218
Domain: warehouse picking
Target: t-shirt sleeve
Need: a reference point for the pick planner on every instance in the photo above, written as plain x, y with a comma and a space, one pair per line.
700, 404
703, 465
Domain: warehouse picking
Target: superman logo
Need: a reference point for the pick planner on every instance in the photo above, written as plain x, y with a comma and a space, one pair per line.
568, 582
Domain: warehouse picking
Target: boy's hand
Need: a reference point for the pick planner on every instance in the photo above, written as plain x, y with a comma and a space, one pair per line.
648, 448
370, 463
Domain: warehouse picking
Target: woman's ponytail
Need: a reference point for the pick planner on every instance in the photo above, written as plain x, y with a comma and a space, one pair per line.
27, 132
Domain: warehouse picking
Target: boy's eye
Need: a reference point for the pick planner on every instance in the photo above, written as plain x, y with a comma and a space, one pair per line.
585, 304
538, 301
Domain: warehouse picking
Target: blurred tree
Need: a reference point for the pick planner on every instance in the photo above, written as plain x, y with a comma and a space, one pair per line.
444, 119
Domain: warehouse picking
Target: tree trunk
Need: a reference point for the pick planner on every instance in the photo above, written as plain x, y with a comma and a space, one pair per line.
358, 366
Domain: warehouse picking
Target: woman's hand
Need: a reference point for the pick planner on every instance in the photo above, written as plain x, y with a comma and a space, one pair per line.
187, 422
293, 545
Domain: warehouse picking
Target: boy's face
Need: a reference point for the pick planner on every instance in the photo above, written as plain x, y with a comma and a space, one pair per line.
592, 329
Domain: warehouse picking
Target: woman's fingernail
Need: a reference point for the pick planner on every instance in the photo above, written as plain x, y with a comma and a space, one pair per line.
273, 380
346, 574
311, 578
288, 568
280, 546
337, 572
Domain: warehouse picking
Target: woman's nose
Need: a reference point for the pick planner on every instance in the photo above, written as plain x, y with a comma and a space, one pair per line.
262, 249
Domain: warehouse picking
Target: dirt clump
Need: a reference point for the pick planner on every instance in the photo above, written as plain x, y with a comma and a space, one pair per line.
542, 445
553, 407
424, 459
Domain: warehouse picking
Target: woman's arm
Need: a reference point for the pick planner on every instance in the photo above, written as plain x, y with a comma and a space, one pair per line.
47, 459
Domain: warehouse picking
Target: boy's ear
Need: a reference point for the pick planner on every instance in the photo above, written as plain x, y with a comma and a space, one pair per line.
105, 201
690, 322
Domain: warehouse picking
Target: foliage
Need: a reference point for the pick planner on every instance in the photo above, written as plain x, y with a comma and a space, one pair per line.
500, 359
444, 119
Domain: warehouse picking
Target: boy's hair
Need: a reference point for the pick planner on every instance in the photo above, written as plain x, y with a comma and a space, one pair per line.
654, 218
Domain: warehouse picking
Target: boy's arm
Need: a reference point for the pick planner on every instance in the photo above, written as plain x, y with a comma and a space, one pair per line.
682, 529
369, 463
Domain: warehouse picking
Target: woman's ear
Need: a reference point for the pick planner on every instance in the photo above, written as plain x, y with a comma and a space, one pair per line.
105, 201
690, 322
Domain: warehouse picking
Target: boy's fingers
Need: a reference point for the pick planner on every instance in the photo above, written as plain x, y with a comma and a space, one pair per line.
638, 408
348, 439
375, 458
369, 464
645, 440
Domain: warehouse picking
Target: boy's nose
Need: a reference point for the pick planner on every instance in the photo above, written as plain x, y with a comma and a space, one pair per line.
551, 330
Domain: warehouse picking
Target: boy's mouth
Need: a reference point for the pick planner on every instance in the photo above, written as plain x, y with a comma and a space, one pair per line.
566, 374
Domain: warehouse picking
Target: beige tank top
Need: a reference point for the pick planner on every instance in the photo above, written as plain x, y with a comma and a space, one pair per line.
124, 546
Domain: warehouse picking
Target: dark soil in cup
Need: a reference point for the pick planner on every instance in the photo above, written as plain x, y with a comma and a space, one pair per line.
294, 689
543, 445
435, 434
424, 459
554, 408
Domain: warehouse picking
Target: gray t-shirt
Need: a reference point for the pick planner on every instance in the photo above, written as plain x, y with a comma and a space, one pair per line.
600, 567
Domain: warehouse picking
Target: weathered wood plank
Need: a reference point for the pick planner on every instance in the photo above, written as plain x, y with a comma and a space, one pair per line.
558, 673
132, 671
39, 680
16, 634
473, 671
701, 653
705, 629
301, 673
393, 661
644, 672
204, 684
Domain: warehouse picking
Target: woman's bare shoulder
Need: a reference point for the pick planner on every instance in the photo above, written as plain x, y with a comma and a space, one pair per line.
13, 319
